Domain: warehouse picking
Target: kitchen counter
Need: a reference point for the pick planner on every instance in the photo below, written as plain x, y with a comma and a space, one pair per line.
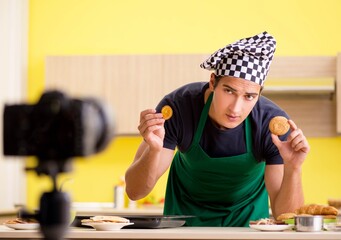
175, 233
6, 214
114, 211
92, 208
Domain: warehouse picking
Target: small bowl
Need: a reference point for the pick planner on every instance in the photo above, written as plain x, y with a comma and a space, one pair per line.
338, 219
309, 223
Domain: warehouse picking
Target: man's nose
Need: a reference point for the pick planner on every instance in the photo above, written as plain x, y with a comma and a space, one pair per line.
236, 105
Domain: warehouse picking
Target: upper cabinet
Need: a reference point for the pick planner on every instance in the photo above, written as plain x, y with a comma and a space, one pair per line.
308, 88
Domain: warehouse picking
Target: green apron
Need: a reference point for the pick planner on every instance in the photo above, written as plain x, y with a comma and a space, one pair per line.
226, 191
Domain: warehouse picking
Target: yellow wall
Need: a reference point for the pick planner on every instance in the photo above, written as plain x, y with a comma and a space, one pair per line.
60, 27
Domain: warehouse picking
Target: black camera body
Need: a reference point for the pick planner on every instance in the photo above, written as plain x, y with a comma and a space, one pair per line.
55, 130
57, 127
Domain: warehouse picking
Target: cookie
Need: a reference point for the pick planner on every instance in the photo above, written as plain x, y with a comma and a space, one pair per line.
167, 112
101, 219
279, 125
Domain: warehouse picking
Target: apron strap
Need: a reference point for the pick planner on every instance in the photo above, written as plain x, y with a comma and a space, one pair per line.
248, 134
202, 120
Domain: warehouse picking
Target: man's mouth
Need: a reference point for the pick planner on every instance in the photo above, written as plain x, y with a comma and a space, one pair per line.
232, 117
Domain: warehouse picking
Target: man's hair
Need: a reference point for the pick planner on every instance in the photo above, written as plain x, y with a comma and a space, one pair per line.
217, 79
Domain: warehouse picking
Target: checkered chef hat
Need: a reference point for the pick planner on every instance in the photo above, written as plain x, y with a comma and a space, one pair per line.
248, 58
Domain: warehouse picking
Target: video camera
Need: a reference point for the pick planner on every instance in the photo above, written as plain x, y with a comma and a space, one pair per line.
55, 130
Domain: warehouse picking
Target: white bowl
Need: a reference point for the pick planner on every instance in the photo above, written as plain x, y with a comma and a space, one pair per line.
106, 226
22, 226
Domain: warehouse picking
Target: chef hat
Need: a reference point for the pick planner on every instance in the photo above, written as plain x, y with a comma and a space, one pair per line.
247, 58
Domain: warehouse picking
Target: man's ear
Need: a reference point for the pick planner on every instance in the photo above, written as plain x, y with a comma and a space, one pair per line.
261, 90
212, 81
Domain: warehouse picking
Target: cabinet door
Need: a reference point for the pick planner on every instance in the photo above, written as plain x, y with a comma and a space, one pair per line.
127, 83
132, 83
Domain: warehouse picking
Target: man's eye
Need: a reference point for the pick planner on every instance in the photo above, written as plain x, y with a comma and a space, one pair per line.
228, 91
249, 97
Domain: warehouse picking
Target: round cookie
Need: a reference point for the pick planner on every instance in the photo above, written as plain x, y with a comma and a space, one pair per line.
167, 112
279, 125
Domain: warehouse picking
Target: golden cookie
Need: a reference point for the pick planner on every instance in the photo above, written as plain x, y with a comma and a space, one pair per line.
167, 112
279, 125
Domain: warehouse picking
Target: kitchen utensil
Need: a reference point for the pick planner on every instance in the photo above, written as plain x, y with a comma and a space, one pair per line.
308, 223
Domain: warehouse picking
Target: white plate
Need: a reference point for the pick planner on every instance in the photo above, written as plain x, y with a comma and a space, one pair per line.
280, 227
106, 226
332, 227
22, 226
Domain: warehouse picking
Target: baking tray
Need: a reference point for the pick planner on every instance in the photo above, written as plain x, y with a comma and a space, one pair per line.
143, 222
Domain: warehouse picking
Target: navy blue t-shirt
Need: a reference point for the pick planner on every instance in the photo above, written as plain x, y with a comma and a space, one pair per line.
187, 103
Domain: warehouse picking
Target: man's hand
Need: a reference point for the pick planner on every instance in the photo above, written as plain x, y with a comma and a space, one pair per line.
152, 129
295, 149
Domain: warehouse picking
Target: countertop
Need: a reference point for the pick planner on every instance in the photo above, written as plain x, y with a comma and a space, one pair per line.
8, 211
174, 233
114, 211
93, 208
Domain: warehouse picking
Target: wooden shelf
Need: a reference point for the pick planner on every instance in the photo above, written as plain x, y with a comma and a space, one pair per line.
299, 90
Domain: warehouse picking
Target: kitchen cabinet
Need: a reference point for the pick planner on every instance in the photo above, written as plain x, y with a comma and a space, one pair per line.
132, 83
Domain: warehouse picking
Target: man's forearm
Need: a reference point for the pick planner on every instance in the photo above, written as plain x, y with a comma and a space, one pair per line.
142, 175
290, 196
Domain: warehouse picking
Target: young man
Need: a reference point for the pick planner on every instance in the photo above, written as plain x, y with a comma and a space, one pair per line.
227, 164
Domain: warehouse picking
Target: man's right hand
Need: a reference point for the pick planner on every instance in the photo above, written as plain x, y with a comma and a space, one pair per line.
148, 167
152, 129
